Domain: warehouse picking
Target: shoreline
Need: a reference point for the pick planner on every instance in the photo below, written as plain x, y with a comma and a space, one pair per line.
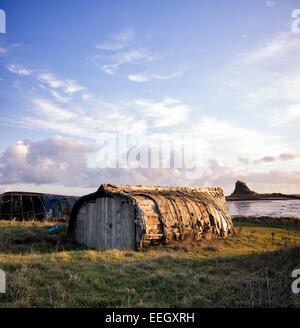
264, 219
257, 197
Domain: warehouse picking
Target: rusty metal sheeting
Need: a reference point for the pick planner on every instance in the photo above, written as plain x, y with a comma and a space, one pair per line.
168, 213
24, 206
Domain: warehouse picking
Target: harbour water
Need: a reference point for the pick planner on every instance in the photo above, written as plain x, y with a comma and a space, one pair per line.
275, 208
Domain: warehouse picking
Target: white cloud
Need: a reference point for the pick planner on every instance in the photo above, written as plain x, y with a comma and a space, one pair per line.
18, 69
281, 157
52, 112
284, 44
119, 40
86, 96
125, 57
270, 3
94, 118
223, 175
59, 97
110, 63
90, 118
146, 77
54, 160
284, 116
3, 51
68, 86
17, 84
63, 161
97, 118
168, 112
227, 143
267, 79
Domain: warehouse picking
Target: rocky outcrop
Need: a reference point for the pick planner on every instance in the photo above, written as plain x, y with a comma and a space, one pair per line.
242, 192
241, 189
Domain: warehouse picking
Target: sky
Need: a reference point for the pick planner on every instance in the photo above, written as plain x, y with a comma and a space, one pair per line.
212, 83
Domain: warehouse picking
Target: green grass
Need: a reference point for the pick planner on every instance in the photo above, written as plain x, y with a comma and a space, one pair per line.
251, 269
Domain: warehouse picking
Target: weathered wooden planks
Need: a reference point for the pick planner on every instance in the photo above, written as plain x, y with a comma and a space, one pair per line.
132, 217
106, 223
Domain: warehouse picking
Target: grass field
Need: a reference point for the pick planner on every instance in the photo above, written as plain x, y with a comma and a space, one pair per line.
251, 269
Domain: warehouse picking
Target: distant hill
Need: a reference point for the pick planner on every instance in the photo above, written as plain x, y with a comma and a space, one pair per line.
242, 192
242, 189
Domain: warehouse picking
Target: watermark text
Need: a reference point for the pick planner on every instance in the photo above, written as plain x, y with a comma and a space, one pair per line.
296, 21
2, 282
122, 150
2, 21
296, 283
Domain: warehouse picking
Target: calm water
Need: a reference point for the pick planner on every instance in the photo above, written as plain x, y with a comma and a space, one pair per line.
275, 208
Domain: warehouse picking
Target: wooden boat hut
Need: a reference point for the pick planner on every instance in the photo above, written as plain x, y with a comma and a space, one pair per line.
132, 217
24, 206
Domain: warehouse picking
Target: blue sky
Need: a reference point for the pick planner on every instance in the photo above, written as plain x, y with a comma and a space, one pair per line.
74, 72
